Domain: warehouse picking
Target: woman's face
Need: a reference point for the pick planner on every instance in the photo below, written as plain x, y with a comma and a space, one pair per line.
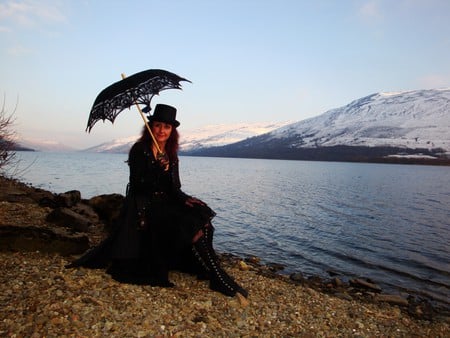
161, 131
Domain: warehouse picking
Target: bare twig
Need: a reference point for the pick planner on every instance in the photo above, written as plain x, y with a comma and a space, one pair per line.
7, 137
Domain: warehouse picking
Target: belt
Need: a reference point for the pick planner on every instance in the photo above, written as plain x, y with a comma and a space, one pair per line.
159, 195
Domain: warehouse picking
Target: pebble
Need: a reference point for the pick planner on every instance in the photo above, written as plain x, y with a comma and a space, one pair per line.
87, 303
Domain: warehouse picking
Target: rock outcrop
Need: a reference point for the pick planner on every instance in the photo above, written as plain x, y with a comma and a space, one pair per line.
33, 219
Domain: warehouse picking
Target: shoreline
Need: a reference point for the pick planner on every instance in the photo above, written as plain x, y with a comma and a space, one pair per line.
359, 288
331, 301
328, 282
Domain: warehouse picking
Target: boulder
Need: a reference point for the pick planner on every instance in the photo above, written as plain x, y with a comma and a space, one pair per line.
87, 211
275, 266
337, 282
392, 299
66, 217
13, 191
33, 238
297, 277
108, 207
69, 198
32, 219
361, 283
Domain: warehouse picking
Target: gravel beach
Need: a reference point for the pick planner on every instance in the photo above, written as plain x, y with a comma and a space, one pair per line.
40, 297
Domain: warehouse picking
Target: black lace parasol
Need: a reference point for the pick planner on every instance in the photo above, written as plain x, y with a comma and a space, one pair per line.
136, 89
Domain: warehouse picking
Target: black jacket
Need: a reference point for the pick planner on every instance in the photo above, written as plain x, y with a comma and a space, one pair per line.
148, 181
156, 195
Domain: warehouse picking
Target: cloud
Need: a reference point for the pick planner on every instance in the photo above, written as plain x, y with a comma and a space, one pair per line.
18, 50
30, 13
434, 81
4, 29
370, 10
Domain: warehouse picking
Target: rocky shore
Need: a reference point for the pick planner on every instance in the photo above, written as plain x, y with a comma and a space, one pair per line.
40, 232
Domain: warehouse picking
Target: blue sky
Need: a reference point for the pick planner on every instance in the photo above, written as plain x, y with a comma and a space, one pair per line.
248, 60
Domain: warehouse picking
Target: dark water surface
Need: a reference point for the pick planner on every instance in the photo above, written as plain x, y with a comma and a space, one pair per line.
390, 223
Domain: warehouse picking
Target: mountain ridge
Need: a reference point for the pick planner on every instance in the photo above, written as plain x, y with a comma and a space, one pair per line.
401, 127
199, 138
405, 119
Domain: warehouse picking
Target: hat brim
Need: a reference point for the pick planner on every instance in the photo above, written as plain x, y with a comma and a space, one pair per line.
174, 123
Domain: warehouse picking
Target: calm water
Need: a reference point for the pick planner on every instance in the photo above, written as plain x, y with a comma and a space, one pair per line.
390, 223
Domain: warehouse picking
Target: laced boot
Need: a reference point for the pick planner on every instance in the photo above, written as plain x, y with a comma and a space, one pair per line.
219, 280
208, 232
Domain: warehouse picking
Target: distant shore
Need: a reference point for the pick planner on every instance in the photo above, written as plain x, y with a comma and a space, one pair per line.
322, 155
341, 153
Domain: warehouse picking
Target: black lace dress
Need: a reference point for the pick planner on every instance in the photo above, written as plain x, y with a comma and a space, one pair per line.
155, 230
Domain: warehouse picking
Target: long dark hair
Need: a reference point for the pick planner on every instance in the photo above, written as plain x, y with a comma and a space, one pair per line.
171, 145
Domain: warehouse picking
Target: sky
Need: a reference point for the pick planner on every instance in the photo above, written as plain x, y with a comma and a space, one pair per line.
249, 60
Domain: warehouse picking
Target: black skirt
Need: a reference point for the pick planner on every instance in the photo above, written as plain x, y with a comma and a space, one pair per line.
176, 224
134, 255
165, 243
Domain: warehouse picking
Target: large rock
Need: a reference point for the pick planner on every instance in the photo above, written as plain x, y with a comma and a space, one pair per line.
392, 299
34, 219
68, 218
107, 207
86, 211
14, 191
365, 284
69, 198
33, 238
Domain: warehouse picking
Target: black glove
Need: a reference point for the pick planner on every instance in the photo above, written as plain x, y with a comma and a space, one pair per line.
163, 160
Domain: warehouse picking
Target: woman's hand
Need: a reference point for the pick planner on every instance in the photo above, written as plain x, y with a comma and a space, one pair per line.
164, 163
191, 201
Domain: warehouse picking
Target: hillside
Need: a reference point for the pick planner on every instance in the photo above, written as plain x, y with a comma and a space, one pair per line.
199, 138
399, 127
407, 127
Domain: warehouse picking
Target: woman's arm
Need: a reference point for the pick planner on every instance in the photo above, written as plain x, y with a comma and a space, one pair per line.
142, 178
141, 182
176, 183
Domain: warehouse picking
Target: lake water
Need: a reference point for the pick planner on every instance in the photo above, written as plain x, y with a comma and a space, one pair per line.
390, 223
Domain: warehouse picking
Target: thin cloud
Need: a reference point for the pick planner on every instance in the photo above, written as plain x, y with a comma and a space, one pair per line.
30, 13
435, 81
371, 11
18, 50
4, 29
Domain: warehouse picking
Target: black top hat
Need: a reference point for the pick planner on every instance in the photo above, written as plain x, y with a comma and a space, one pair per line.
165, 113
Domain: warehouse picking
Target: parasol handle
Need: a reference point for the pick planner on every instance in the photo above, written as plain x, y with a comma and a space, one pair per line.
146, 123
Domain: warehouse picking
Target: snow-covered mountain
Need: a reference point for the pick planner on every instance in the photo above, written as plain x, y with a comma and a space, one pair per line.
222, 134
200, 138
413, 123
44, 145
410, 124
413, 119
121, 145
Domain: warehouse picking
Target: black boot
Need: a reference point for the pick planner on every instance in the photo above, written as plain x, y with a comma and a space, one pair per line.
219, 279
160, 277
208, 232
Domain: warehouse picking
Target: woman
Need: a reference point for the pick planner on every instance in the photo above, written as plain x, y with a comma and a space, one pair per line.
160, 227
